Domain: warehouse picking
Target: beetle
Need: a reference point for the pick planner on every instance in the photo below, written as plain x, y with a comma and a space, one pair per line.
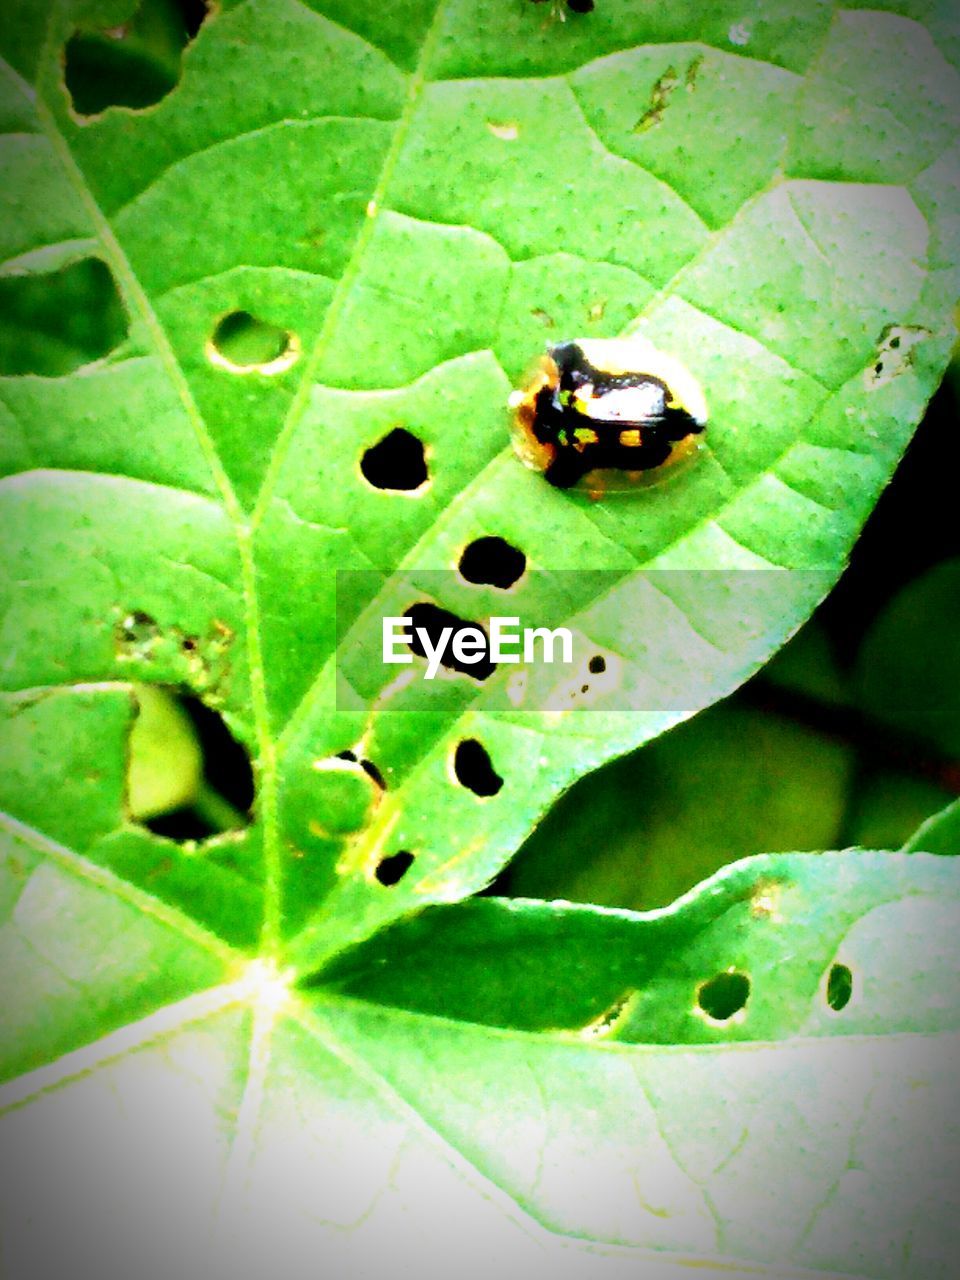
598, 404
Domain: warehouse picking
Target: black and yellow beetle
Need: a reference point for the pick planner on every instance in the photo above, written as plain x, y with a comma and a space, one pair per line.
602, 404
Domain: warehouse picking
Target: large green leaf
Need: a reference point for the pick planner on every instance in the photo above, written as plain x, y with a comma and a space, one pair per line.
493, 1069
408, 215
407, 200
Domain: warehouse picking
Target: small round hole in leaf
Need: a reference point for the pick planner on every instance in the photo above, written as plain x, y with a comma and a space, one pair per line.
397, 462
839, 987
473, 769
492, 562
391, 869
724, 995
243, 344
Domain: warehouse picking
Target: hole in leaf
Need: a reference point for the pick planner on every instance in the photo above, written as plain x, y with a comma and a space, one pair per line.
372, 772
473, 768
369, 768
839, 987
724, 995
243, 344
597, 665
391, 869
54, 323
605, 1022
432, 620
895, 353
135, 64
188, 777
492, 562
396, 462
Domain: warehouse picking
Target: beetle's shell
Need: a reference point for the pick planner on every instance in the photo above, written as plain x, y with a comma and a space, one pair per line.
608, 413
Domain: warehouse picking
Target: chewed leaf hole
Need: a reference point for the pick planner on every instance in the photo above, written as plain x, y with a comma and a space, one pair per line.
433, 621
492, 562
188, 778
724, 995
368, 767
134, 64
473, 769
243, 344
895, 353
54, 323
391, 869
606, 1022
839, 987
397, 462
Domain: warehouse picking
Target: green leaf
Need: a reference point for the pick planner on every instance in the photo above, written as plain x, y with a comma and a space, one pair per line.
889, 807
339, 223
906, 664
646, 828
939, 834
399, 230
552, 1071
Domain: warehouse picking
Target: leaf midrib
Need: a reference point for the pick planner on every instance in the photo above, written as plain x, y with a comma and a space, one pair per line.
244, 528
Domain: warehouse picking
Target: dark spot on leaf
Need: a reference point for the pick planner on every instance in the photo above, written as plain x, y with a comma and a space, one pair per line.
172, 656
596, 666
724, 995
839, 987
895, 353
242, 342
396, 462
492, 562
580, 6
391, 869
137, 628
693, 70
659, 97
135, 64
432, 620
473, 768
56, 322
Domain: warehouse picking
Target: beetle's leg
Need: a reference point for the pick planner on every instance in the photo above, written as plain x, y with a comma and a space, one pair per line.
566, 469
